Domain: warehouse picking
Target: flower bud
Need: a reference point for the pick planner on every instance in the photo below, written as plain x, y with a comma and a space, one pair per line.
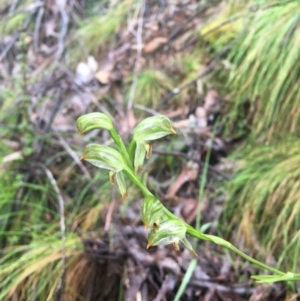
153, 213
93, 121
103, 157
153, 128
171, 231
149, 129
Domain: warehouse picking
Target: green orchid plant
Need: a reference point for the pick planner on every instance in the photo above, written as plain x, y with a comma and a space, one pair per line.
166, 228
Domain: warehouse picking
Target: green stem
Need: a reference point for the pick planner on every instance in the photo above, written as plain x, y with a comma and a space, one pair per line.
136, 180
221, 242
122, 148
131, 149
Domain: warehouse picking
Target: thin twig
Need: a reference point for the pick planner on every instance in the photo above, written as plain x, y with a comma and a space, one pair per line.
143, 108
60, 286
139, 41
204, 283
74, 156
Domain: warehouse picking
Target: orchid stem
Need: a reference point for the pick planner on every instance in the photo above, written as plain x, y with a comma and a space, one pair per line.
122, 148
137, 181
221, 242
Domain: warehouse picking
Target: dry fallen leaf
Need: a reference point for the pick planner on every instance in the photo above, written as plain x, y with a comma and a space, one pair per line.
155, 44
103, 77
188, 173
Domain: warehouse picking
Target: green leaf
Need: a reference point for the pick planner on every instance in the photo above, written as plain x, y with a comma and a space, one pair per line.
103, 157
93, 121
172, 231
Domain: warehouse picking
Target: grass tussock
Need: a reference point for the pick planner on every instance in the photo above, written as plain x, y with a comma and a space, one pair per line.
30, 233
264, 200
150, 87
32, 271
99, 30
266, 69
